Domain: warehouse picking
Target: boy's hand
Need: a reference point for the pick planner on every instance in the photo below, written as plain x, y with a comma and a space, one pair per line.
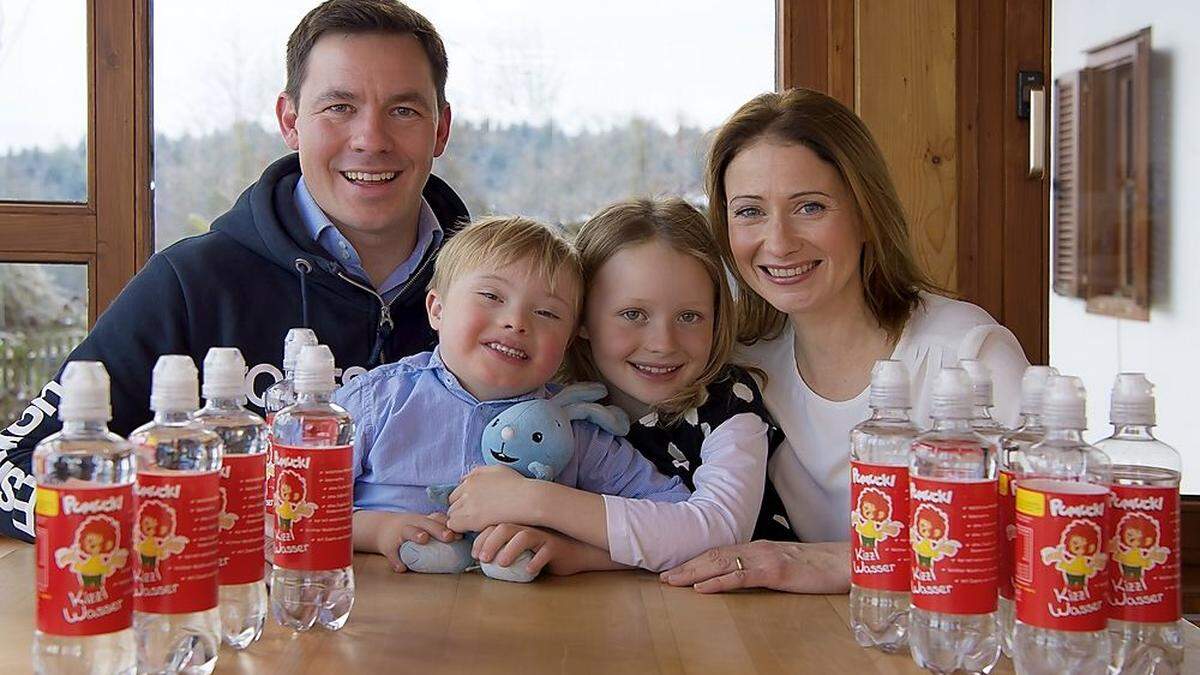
393, 529
489, 495
502, 544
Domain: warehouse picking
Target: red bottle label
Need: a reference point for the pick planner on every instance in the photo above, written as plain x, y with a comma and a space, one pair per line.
1059, 570
269, 494
953, 535
879, 547
314, 503
175, 536
241, 519
1007, 535
1144, 574
84, 575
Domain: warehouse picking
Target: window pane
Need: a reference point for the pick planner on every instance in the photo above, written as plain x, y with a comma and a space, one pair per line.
43, 316
43, 121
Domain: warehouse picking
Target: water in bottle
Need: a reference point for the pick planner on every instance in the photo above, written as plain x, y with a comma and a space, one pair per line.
176, 526
277, 397
1012, 446
84, 517
1059, 572
312, 582
243, 595
879, 546
1144, 575
953, 531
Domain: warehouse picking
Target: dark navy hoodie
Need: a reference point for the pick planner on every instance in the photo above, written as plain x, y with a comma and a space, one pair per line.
253, 276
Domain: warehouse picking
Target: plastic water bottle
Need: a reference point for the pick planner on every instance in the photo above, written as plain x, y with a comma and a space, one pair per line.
1144, 575
176, 527
313, 581
879, 546
243, 595
83, 529
953, 530
981, 399
1013, 445
1059, 573
277, 397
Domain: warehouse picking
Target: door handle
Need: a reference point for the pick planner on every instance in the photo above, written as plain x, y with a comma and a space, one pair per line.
1037, 132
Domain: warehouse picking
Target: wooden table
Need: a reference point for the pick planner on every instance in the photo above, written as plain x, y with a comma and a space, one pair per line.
617, 622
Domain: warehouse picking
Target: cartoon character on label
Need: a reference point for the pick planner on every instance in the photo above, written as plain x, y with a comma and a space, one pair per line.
155, 537
290, 504
1135, 546
930, 537
1078, 555
872, 519
226, 520
96, 553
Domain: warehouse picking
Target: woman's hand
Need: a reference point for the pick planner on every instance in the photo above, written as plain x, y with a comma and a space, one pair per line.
781, 566
487, 496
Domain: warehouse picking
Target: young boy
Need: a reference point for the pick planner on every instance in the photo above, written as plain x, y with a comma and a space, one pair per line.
505, 299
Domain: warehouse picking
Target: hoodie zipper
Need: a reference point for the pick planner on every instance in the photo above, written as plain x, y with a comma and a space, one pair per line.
386, 325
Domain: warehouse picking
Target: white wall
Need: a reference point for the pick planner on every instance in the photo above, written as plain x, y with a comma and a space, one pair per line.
1166, 348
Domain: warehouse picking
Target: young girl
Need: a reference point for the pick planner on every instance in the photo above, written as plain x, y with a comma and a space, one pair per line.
657, 330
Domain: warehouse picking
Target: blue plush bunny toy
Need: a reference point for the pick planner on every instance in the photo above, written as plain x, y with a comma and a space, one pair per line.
533, 438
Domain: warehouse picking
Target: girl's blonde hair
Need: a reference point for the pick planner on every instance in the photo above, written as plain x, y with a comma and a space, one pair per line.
683, 228
891, 278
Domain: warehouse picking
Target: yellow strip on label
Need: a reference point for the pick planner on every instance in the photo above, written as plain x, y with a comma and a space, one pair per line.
1003, 484
1030, 503
47, 502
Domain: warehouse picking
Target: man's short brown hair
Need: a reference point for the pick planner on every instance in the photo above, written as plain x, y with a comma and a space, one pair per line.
363, 16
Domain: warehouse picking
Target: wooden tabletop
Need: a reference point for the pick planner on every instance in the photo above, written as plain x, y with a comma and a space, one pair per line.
618, 622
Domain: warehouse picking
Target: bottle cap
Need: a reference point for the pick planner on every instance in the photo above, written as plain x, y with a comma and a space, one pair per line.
889, 385
1132, 400
1064, 403
85, 393
224, 373
315, 370
981, 381
1033, 383
297, 338
951, 396
175, 384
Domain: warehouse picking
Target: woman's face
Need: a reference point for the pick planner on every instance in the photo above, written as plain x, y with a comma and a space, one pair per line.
793, 227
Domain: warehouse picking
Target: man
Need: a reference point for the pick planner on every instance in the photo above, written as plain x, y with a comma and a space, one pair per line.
339, 237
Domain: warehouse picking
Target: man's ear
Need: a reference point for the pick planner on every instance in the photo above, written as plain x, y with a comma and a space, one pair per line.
433, 307
443, 131
286, 113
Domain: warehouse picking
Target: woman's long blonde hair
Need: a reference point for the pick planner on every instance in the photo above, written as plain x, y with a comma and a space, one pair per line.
683, 228
891, 278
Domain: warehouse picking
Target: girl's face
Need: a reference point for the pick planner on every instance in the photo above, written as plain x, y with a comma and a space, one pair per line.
649, 322
794, 228
868, 510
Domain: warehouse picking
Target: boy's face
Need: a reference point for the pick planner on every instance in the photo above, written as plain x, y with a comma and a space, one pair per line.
502, 332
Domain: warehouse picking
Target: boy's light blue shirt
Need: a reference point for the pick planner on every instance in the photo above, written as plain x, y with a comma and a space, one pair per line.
416, 426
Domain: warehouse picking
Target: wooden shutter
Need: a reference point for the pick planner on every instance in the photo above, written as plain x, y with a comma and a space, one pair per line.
1069, 185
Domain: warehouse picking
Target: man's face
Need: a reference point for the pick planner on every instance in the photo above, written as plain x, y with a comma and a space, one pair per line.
367, 127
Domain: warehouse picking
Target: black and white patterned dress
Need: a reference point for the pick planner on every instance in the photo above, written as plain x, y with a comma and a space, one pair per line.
675, 450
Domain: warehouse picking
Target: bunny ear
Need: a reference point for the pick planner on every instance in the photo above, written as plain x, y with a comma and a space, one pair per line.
579, 392
608, 417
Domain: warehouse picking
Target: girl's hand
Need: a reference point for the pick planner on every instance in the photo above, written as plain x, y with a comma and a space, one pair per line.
487, 496
502, 544
781, 566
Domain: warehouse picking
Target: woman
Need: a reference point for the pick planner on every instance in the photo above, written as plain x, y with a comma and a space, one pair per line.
810, 225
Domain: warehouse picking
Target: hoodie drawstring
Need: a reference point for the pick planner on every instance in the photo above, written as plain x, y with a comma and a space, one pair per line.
303, 267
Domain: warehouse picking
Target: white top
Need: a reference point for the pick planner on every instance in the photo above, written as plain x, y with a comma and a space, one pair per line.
722, 511
811, 468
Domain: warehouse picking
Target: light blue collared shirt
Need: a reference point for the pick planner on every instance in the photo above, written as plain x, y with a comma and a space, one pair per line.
325, 233
416, 426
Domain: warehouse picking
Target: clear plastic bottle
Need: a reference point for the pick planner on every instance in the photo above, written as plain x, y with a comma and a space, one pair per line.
243, 594
84, 520
1012, 446
312, 581
953, 529
1059, 574
981, 398
176, 527
879, 549
277, 397
1143, 627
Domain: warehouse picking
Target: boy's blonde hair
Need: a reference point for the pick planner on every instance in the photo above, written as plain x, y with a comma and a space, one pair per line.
499, 241
683, 228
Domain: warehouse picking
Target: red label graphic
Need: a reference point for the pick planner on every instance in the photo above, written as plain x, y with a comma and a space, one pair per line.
269, 494
1144, 573
175, 535
241, 519
1059, 576
953, 537
313, 507
84, 574
1007, 535
879, 547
